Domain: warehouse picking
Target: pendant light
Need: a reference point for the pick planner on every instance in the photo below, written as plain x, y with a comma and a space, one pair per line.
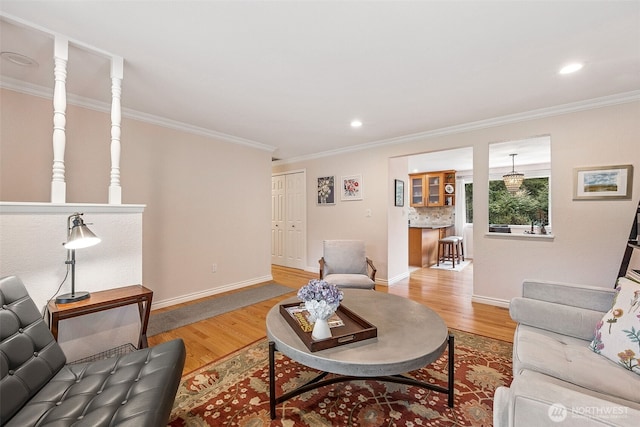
513, 180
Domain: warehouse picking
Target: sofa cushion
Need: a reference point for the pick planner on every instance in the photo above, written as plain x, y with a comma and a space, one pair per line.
560, 318
29, 355
357, 281
135, 389
617, 335
344, 256
538, 399
571, 360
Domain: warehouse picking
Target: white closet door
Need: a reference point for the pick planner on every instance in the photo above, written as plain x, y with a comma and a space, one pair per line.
278, 219
288, 220
296, 220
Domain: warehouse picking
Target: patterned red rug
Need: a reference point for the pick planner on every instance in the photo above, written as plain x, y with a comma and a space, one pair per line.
234, 391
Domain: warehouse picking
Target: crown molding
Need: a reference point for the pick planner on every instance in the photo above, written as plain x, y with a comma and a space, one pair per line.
605, 101
105, 107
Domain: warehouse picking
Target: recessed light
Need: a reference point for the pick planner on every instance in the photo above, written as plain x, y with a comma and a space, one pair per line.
571, 68
19, 59
356, 123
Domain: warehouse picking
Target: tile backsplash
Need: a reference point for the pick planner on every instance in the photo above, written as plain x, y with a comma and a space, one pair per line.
432, 216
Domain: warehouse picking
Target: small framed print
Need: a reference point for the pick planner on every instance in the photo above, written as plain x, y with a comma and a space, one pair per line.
326, 190
399, 192
351, 187
603, 183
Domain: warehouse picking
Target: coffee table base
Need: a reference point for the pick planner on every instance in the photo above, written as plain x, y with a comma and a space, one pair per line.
319, 381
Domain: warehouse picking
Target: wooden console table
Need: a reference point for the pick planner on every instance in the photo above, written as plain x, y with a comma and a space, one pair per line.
105, 300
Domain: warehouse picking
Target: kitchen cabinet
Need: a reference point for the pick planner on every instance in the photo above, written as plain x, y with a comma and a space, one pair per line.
433, 189
417, 189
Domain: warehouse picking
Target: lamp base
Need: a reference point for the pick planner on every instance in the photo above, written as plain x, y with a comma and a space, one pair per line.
76, 296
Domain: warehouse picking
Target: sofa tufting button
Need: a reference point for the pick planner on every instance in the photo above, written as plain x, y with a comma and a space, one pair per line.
99, 391
20, 330
58, 403
35, 354
124, 402
11, 372
4, 306
112, 372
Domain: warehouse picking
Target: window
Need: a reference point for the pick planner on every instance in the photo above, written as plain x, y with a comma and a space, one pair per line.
519, 210
531, 204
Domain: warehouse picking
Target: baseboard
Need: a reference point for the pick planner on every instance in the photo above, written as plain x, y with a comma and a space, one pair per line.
315, 270
490, 301
209, 292
398, 278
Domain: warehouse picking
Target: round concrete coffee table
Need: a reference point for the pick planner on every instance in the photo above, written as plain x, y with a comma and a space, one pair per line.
410, 336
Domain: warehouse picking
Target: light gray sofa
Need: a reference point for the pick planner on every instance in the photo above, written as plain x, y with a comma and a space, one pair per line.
557, 379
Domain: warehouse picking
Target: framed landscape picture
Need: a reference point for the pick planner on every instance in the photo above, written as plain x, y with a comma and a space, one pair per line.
326, 190
603, 183
351, 187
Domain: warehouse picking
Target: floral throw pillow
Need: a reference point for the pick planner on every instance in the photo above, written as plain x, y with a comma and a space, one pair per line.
617, 335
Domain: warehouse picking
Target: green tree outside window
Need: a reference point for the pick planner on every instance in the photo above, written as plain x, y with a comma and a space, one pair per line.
529, 204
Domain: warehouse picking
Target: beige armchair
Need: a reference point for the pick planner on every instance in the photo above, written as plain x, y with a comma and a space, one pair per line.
345, 264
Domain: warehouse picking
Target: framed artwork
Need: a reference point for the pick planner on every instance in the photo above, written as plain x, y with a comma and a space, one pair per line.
326, 190
399, 186
351, 187
603, 183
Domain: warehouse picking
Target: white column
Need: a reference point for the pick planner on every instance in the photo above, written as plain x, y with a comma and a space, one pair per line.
117, 70
60, 56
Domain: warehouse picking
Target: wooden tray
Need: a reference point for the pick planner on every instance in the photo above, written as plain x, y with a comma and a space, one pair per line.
355, 328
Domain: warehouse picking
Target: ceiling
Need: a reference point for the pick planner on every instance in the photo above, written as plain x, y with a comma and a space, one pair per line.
290, 76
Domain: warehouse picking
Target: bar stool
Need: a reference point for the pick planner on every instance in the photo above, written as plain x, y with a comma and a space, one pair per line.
450, 248
460, 247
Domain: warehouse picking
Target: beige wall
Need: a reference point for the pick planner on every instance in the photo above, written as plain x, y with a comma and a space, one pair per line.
589, 238
207, 201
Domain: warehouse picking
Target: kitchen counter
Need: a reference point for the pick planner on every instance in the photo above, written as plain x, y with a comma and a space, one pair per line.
423, 243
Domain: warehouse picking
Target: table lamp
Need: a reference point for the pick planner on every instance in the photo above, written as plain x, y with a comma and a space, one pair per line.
79, 236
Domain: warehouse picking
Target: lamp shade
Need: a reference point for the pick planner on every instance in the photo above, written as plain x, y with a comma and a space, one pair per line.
80, 236
513, 180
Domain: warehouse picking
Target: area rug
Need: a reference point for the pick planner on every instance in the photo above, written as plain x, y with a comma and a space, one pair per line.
448, 266
192, 313
234, 391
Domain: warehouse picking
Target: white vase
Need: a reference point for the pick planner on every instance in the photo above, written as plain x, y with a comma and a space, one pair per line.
321, 329
320, 313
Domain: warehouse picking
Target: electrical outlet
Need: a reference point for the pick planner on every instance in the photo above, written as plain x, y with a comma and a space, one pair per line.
214, 268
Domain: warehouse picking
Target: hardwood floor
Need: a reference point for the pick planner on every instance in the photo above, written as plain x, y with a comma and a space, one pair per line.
448, 293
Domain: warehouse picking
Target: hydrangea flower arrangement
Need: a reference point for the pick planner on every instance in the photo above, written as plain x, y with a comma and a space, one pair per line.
321, 299
319, 290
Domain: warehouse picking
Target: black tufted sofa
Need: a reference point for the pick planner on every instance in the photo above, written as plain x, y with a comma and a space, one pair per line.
38, 389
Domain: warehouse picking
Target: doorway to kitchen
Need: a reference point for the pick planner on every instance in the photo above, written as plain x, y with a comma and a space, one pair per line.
445, 174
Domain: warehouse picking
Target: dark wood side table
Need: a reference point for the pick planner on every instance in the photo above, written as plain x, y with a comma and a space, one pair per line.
105, 300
